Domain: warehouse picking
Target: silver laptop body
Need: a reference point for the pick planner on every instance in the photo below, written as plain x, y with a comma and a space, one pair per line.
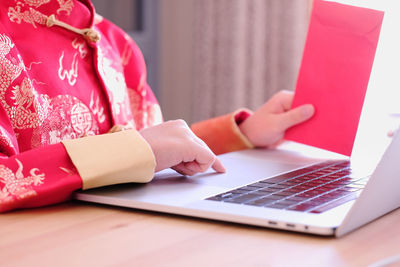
170, 192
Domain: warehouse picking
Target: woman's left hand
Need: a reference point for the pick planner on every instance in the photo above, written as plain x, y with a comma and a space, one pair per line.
266, 127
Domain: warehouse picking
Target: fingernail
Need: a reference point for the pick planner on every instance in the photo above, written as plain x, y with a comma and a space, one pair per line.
222, 169
308, 111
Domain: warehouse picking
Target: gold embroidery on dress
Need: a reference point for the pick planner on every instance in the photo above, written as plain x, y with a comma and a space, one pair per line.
52, 119
70, 74
31, 16
16, 185
9, 71
30, 65
30, 109
69, 119
145, 114
5, 140
126, 55
114, 81
81, 119
96, 108
81, 46
36, 3
65, 6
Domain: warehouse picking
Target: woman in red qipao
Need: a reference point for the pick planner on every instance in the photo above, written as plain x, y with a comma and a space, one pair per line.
77, 113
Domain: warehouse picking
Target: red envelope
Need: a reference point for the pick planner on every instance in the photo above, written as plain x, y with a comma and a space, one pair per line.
334, 74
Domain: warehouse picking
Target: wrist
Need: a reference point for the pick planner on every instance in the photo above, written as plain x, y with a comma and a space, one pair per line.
244, 129
242, 118
242, 115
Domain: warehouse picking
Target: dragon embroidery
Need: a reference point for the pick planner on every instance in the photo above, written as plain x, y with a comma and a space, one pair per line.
9, 70
113, 79
36, 3
31, 16
52, 119
29, 108
16, 185
65, 6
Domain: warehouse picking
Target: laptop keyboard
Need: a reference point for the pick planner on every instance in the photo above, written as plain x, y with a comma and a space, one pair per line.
316, 189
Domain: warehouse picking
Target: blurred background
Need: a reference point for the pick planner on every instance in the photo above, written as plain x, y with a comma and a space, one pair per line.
209, 57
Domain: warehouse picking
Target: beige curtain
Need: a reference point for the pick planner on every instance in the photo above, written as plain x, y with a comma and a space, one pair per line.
236, 53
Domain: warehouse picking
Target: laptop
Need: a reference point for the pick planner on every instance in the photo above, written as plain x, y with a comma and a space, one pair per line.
294, 187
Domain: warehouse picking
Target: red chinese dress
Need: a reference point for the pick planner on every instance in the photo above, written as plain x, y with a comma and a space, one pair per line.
67, 76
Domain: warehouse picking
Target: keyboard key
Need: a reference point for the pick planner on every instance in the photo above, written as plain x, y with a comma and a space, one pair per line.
287, 202
330, 186
294, 190
318, 201
312, 184
288, 183
238, 191
248, 188
269, 190
318, 181
335, 203
335, 194
259, 185
261, 201
302, 207
222, 197
302, 187
308, 194
243, 198
286, 176
260, 193
278, 205
284, 193
299, 180
316, 192
278, 186
275, 196
297, 199
311, 176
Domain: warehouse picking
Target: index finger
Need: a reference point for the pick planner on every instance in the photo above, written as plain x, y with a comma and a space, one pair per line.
218, 166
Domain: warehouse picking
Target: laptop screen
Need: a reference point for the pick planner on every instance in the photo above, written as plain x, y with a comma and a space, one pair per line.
382, 102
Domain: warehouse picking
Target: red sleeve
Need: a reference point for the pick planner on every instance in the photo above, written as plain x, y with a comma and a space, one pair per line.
36, 178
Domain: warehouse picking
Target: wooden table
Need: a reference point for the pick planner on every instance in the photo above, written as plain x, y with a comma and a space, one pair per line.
80, 234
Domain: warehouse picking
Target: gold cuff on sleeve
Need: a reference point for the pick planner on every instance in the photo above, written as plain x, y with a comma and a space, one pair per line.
236, 129
115, 158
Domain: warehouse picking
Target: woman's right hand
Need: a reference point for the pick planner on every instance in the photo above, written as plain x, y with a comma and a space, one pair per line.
175, 146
